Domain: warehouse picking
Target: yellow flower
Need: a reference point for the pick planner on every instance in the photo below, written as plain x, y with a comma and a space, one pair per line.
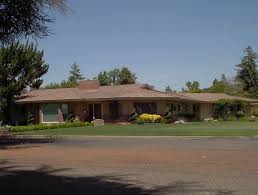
151, 118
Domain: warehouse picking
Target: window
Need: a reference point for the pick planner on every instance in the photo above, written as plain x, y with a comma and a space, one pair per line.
50, 112
146, 107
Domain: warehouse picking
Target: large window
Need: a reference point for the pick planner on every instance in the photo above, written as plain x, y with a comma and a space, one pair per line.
50, 112
146, 107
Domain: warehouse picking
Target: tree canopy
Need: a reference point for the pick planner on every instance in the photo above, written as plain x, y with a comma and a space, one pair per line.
126, 76
23, 19
21, 66
117, 77
62, 84
192, 87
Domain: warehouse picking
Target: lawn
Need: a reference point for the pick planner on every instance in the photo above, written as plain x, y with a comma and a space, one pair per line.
188, 129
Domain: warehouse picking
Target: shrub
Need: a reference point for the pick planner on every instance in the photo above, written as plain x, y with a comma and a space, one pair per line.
222, 109
240, 114
30, 119
252, 118
49, 126
70, 117
139, 121
240, 105
150, 118
165, 121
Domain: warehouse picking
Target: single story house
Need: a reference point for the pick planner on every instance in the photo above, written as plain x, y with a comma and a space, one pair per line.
90, 101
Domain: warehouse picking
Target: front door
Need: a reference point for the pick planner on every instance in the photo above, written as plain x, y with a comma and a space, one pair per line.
94, 111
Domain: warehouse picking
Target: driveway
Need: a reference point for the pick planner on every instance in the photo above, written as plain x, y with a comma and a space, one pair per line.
132, 165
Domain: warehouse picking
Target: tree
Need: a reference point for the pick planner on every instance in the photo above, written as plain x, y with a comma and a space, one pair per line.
23, 19
104, 78
113, 75
168, 89
222, 109
247, 73
75, 73
63, 84
21, 65
116, 77
125, 76
192, 87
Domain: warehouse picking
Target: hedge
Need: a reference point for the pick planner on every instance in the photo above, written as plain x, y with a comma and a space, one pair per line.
49, 126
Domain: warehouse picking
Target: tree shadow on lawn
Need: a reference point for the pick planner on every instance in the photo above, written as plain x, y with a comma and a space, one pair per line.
46, 180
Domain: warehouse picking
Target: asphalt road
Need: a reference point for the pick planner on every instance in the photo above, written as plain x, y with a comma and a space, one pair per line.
132, 165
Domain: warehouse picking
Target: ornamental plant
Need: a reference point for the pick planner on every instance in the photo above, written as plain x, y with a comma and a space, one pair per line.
150, 118
222, 109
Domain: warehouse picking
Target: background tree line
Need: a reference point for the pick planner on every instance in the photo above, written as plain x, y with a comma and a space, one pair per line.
115, 76
244, 83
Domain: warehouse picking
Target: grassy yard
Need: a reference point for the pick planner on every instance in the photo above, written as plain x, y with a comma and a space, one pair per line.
188, 129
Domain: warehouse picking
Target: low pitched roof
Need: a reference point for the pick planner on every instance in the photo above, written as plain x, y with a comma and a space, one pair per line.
90, 91
212, 97
132, 91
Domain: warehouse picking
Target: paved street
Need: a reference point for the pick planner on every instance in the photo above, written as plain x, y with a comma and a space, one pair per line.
132, 165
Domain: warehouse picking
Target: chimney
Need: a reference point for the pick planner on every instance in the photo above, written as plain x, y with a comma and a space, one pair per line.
89, 84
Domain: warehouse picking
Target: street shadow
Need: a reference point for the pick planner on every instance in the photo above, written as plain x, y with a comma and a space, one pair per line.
46, 180
14, 142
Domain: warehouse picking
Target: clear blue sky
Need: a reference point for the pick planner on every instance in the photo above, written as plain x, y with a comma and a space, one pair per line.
166, 42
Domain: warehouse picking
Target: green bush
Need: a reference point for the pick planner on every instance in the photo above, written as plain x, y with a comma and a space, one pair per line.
30, 119
240, 114
222, 109
49, 126
139, 121
165, 121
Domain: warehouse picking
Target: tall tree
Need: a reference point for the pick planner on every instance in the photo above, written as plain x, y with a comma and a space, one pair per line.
125, 76
27, 18
192, 87
104, 78
21, 65
75, 73
168, 89
247, 73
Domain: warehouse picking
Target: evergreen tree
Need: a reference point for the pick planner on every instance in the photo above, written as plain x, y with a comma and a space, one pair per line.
125, 76
75, 73
168, 89
247, 73
20, 66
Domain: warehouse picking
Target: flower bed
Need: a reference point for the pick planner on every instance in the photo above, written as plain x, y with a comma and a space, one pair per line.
149, 118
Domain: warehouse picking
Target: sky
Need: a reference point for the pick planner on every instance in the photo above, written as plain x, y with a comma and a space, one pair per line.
165, 42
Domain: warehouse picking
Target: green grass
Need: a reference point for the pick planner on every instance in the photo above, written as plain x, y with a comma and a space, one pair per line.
188, 129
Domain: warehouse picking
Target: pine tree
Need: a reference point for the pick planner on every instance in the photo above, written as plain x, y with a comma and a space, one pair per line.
75, 73
20, 66
247, 73
125, 76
